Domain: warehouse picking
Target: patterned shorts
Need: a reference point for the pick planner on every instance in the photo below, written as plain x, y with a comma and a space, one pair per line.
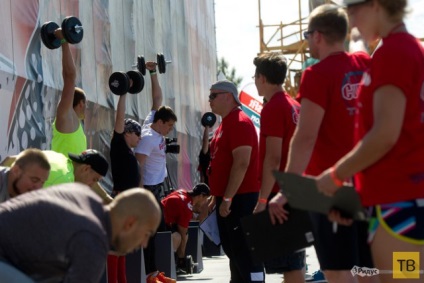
403, 220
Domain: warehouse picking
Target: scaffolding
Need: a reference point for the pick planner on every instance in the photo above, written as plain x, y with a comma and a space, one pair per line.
287, 38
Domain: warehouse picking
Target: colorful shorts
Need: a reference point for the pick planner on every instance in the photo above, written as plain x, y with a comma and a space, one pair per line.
403, 220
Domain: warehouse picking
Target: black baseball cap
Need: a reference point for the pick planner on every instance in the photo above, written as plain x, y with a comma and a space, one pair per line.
93, 158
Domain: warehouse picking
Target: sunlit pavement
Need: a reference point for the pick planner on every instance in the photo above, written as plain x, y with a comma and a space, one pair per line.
216, 270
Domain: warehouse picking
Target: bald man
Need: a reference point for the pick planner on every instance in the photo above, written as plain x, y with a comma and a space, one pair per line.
71, 232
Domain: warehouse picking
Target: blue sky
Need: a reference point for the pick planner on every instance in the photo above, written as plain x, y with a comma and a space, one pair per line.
237, 29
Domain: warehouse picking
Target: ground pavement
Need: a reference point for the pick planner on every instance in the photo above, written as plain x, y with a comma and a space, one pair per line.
216, 270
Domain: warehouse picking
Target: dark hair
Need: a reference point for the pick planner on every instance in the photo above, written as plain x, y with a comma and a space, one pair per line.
78, 96
273, 66
32, 156
165, 113
331, 21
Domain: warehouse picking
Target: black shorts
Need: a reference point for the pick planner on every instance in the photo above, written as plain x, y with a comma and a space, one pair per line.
341, 247
295, 261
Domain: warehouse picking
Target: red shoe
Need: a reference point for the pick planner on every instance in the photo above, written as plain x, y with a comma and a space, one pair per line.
152, 277
161, 276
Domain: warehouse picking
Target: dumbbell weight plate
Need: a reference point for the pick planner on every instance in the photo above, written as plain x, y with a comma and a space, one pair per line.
119, 83
208, 119
47, 35
160, 59
189, 264
71, 34
141, 65
137, 82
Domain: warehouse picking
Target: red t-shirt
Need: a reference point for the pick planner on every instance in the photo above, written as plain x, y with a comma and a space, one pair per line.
399, 175
178, 208
278, 119
235, 130
332, 84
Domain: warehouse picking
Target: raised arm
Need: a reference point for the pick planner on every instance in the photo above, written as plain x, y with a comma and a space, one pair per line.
120, 115
205, 140
66, 119
157, 97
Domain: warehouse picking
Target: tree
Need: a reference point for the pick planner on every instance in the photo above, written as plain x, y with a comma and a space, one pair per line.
224, 68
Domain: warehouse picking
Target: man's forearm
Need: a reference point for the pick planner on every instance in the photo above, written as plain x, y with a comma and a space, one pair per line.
299, 155
68, 66
268, 180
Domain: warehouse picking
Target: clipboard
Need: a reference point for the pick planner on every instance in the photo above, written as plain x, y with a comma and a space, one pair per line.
302, 193
267, 241
209, 226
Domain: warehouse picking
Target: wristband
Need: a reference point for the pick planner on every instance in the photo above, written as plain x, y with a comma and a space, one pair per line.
152, 72
338, 182
62, 41
263, 200
227, 199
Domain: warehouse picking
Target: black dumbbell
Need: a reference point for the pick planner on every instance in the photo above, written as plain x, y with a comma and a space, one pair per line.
208, 119
71, 28
189, 264
120, 83
160, 61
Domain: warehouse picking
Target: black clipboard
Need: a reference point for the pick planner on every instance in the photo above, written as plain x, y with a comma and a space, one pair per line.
302, 193
267, 241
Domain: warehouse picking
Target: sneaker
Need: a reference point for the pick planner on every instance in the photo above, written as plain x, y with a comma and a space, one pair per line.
317, 277
152, 277
181, 271
161, 276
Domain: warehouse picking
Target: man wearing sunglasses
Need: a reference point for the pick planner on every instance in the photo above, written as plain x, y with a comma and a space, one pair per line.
233, 178
324, 134
125, 172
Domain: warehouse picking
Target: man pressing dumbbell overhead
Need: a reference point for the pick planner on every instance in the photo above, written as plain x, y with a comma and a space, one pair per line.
68, 134
150, 151
125, 173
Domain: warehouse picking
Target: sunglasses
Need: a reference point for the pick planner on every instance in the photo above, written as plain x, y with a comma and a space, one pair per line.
137, 133
308, 33
213, 95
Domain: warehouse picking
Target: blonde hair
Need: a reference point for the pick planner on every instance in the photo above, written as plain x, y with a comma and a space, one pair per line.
396, 9
330, 20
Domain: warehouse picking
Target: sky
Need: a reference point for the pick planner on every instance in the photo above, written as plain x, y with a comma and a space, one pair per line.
237, 32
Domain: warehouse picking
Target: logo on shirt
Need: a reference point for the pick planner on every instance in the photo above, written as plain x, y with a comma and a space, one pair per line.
349, 91
295, 113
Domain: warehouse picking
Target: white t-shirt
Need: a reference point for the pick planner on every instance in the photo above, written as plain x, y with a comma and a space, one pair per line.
153, 145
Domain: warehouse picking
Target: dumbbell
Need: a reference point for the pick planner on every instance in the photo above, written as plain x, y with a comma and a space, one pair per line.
72, 30
120, 83
189, 265
208, 119
160, 61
